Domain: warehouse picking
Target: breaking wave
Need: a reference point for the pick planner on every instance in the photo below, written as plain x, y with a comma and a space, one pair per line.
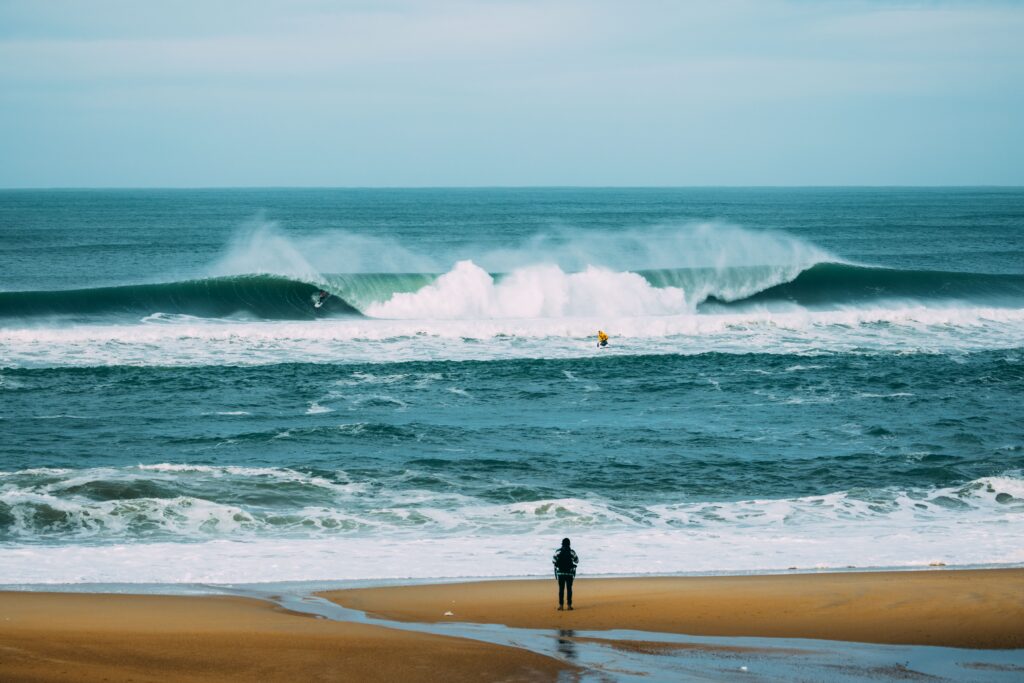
189, 523
468, 292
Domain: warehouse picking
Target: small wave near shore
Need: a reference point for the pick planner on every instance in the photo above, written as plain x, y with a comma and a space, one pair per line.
227, 515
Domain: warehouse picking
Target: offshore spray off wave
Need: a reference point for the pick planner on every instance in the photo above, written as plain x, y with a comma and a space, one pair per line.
468, 292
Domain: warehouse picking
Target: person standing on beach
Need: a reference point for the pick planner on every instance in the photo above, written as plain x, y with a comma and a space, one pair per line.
565, 561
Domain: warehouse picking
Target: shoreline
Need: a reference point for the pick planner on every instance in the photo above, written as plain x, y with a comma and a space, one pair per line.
209, 587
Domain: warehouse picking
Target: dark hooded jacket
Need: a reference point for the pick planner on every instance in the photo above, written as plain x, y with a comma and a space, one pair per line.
565, 561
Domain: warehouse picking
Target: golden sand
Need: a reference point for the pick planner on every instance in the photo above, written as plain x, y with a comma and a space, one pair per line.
80, 637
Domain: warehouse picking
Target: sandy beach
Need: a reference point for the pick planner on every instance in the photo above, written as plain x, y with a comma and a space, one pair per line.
97, 637
89, 637
965, 608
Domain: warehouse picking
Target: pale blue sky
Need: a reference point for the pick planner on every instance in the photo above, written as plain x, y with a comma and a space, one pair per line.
306, 93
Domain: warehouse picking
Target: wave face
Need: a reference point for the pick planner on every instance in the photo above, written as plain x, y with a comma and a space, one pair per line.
266, 297
832, 284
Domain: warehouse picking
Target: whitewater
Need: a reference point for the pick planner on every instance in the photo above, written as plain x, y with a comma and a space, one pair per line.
799, 378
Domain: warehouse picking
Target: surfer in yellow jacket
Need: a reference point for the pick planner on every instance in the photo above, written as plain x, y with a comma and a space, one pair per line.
602, 338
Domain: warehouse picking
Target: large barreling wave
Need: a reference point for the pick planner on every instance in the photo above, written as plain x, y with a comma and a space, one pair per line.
469, 292
689, 288
662, 272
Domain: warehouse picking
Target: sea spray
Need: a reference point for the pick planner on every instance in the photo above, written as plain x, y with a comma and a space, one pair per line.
676, 245
261, 246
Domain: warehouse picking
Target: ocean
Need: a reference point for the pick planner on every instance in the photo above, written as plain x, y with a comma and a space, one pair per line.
809, 378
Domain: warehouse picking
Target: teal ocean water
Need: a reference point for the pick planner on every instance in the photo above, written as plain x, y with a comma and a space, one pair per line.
796, 377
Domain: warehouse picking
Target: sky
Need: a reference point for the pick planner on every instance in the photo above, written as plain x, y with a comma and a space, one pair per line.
191, 93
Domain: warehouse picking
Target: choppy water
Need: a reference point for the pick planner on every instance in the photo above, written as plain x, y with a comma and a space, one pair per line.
796, 378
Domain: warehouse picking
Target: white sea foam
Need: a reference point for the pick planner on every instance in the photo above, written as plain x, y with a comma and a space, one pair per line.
412, 533
468, 292
910, 329
647, 551
275, 474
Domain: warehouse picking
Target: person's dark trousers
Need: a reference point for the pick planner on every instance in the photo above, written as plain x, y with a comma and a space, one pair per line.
564, 586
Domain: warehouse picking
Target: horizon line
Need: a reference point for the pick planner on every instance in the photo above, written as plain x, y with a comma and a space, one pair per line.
501, 187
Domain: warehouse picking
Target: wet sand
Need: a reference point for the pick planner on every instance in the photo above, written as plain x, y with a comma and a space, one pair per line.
92, 637
952, 608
